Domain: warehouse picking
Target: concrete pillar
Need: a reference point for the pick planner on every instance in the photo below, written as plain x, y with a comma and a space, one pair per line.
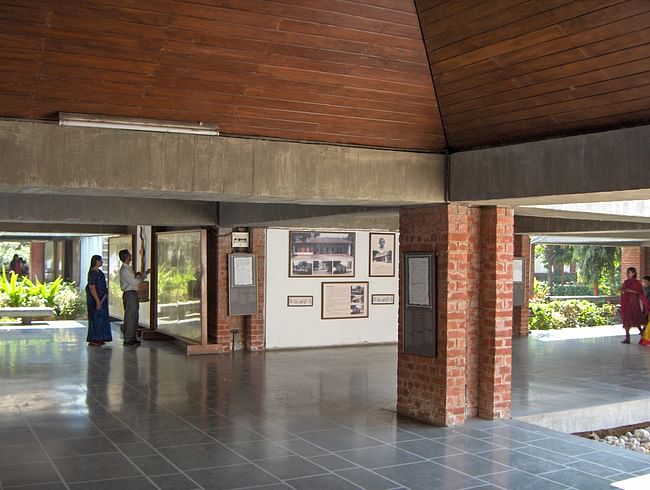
495, 373
470, 374
37, 261
520, 314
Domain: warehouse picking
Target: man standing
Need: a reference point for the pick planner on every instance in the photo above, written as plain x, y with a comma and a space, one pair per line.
129, 283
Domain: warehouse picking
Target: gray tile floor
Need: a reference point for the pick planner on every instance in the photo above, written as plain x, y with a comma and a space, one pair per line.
570, 374
73, 417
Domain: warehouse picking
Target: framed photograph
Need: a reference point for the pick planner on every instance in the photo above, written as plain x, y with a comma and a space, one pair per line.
383, 299
342, 300
300, 301
382, 255
321, 254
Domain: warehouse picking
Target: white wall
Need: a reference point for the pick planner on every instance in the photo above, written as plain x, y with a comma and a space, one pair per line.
88, 246
302, 327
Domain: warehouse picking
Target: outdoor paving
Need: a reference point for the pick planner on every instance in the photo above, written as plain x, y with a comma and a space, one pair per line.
73, 417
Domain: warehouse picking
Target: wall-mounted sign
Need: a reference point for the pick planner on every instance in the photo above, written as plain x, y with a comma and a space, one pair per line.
419, 310
242, 284
240, 239
321, 254
382, 254
418, 288
242, 270
344, 300
300, 301
383, 299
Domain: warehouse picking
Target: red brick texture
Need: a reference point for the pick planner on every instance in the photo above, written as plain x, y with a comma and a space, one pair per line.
251, 328
637, 257
521, 314
472, 354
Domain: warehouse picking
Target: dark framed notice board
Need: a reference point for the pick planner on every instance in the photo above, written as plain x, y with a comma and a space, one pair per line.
419, 314
242, 284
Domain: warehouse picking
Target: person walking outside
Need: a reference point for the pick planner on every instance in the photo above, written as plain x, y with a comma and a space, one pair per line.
99, 326
129, 283
632, 297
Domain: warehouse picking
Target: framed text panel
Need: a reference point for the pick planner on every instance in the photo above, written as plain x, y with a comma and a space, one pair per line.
419, 311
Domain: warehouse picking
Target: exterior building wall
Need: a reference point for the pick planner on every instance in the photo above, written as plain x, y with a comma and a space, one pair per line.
471, 373
637, 257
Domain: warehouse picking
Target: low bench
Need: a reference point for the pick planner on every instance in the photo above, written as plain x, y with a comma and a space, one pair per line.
27, 313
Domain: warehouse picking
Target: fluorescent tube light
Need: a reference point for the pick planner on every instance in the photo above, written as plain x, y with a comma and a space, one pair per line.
136, 124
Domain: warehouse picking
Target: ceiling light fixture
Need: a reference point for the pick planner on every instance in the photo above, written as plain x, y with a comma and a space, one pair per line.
136, 124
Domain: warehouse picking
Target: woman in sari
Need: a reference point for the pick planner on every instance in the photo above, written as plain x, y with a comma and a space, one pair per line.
99, 327
632, 296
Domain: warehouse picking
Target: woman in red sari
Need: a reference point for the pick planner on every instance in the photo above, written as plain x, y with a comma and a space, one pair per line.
632, 296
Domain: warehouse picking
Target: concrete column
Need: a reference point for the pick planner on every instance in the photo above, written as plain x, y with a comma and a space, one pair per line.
520, 314
37, 261
470, 374
495, 339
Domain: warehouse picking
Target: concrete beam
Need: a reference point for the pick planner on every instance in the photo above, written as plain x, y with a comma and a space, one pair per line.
597, 167
284, 215
9, 230
535, 225
96, 210
42, 157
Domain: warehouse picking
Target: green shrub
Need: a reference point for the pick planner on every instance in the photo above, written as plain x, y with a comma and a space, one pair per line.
571, 289
68, 304
570, 314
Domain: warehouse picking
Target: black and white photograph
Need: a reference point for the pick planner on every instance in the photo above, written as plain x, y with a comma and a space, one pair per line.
321, 253
382, 254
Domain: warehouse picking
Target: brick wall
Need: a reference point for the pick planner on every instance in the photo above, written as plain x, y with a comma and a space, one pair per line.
637, 257
251, 328
520, 314
472, 328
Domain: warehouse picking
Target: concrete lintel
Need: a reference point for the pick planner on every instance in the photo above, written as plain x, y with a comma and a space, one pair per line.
291, 215
95, 210
537, 225
37, 231
606, 166
42, 157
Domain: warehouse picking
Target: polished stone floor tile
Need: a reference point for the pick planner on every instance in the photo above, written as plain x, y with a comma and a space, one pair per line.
121, 484
230, 477
427, 475
290, 467
287, 420
259, 449
332, 462
30, 453
174, 482
78, 447
376, 457
340, 439
27, 474
322, 482
95, 467
201, 456
519, 480
427, 448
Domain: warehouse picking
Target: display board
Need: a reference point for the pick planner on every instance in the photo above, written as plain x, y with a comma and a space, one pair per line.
419, 330
179, 283
518, 281
321, 254
341, 300
242, 284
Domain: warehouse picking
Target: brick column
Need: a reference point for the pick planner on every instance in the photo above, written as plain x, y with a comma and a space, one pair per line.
255, 335
636, 257
37, 260
520, 314
495, 338
470, 374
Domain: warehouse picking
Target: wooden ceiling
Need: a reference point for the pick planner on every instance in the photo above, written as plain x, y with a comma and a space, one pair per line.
513, 70
351, 72
336, 71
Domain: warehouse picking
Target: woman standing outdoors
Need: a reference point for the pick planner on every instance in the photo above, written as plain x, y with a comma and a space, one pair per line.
99, 327
632, 296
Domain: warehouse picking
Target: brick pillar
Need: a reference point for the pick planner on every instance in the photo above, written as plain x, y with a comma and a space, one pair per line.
520, 314
495, 339
636, 257
470, 374
37, 260
255, 336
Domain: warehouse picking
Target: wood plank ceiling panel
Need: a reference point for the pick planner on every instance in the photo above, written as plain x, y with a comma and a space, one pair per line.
515, 70
342, 71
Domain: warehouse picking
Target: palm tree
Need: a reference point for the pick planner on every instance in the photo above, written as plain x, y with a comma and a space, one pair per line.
594, 263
